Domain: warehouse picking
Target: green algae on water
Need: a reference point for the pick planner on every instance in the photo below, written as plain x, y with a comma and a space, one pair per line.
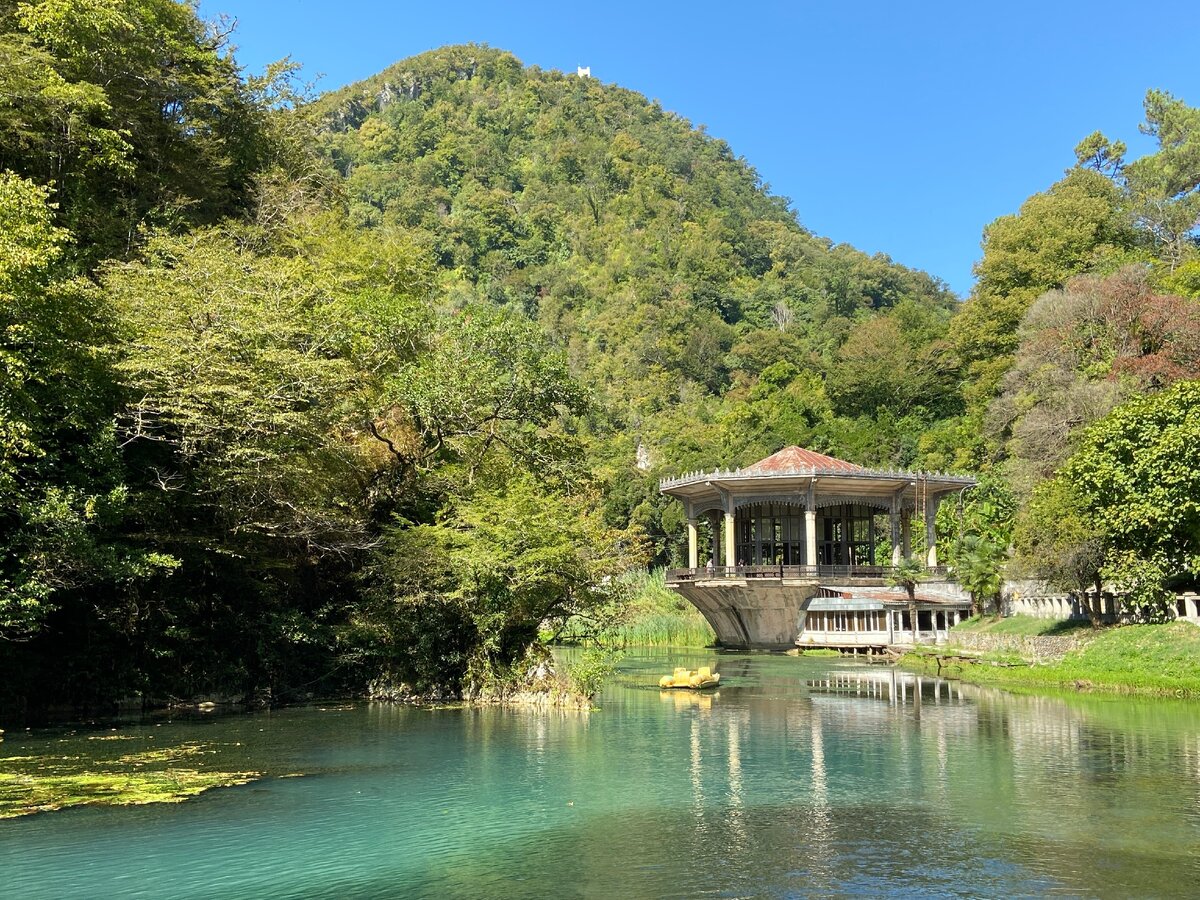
30, 784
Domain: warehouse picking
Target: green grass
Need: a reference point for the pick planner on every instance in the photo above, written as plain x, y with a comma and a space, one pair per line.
1138, 659
658, 617
1022, 625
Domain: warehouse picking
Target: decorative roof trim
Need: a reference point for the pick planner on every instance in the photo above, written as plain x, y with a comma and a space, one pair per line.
734, 475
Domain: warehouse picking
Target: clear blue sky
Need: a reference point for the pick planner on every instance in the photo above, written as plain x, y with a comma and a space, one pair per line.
896, 127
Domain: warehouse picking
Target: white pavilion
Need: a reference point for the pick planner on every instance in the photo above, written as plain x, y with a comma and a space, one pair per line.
801, 548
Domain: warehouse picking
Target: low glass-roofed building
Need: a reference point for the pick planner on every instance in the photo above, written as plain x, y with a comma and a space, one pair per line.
795, 541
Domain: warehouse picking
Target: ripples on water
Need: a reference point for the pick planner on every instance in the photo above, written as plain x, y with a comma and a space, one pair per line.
797, 778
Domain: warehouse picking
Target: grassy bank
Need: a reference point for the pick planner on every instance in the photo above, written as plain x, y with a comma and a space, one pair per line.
1022, 625
658, 617
1135, 659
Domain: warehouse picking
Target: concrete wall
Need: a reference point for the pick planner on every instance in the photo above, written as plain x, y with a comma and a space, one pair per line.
1187, 606
1041, 648
1032, 598
943, 587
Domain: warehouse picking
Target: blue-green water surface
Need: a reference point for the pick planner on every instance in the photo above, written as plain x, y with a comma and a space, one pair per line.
798, 778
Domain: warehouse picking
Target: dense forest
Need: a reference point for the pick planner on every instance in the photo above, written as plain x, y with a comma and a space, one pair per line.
306, 394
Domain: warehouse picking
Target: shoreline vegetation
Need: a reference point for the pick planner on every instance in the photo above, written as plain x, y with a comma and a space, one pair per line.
658, 617
1144, 660
1132, 660
653, 616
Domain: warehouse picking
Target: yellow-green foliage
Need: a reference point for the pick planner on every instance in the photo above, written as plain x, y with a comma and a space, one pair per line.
30, 784
644, 247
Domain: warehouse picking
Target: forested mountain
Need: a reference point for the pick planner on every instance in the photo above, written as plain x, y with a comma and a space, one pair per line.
714, 328
711, 325
305, 394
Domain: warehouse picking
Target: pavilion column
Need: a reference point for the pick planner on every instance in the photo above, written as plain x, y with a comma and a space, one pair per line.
905, 534
693, 544
810, 525
730, 537
894, 522
931, 505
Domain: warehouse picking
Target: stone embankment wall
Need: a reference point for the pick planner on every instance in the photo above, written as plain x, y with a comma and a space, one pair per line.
1039, 648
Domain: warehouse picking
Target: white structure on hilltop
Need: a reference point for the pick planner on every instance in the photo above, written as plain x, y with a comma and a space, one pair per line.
583, 71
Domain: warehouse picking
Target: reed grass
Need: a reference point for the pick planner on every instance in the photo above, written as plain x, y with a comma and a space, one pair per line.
658, 617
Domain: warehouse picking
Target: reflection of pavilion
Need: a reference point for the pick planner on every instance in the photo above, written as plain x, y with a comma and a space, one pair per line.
893, 686
797, 538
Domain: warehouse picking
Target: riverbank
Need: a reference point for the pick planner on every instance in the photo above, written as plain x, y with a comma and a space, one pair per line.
1153, 660
658, 617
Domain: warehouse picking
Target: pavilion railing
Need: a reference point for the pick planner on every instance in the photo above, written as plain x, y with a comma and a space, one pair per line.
780, 572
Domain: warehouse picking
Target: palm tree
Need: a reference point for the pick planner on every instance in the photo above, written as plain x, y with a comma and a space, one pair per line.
906, 575
978, 570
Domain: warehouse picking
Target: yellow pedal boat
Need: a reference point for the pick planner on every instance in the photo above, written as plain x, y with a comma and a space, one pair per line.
695, 680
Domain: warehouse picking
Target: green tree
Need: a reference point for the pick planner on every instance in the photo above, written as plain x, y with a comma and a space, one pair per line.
61, 481
1163, 188
255, 379
986, 510
504, 563
881, 367
1136, 472
1059, 539
489, 381
1083, 350
1056, 234
134, 110
242, 457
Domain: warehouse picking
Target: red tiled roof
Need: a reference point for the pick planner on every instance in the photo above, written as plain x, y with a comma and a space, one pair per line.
791, 459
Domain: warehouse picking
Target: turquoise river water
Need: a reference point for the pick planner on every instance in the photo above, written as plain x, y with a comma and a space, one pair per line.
798, 778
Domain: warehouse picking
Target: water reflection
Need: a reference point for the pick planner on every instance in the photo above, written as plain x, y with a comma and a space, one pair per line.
799, 777
856, 749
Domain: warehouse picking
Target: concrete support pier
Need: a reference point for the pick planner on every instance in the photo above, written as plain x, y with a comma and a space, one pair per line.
751, 615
